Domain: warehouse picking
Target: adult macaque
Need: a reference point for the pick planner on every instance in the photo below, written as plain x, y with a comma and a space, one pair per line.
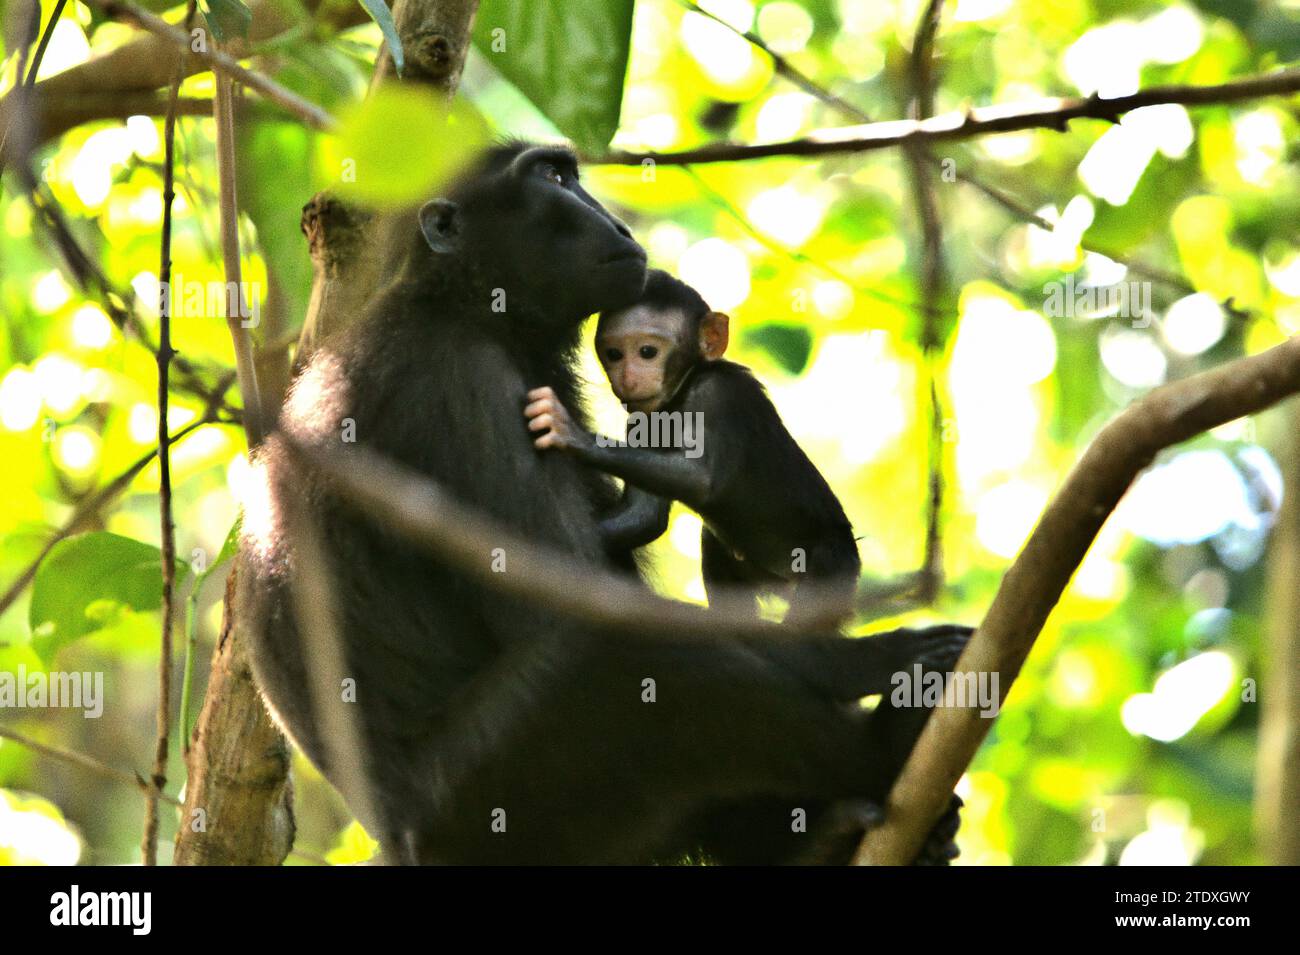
769, 515
497, 729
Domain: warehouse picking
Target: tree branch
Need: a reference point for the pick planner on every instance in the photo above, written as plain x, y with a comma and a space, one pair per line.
934, 290
1039, 575
83, 761
1018, 209
417, 508
985, 121
158, 779
218, 61
785, 69
123, 80
238, 800
237, 307
1277, 760
118, 305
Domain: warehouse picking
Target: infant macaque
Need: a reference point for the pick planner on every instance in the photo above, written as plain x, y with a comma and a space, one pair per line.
703, 431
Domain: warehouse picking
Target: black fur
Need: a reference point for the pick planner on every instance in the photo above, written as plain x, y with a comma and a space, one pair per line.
471, 702
762, 500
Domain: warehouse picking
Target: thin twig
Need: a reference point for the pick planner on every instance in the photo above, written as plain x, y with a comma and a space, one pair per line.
221, 63
794, 255
236, 304
158, 779
83, 761
784, 68
922, 60
957, 126
934, 290
89, 507
998, 196
118, 305
44, 42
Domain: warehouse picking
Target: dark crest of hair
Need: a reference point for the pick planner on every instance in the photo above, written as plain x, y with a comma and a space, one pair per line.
666, 291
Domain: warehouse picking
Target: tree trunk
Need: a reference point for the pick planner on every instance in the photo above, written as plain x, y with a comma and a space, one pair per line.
238, 767
343, 237
238, 800
1277, 801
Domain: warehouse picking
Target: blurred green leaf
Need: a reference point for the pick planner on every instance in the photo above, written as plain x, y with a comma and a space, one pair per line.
789, 345
229, 547
274, 163
227, 19
85, 581
1123, 228
569, 58
399, 145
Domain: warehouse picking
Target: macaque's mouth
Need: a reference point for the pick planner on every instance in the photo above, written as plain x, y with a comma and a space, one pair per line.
632, 253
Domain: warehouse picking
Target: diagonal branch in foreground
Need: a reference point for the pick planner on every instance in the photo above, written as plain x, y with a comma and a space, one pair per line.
423, 512
1038, 577
1053, 114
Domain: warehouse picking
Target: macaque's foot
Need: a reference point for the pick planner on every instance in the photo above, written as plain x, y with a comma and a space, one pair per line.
937, 648
940, 846
841, 830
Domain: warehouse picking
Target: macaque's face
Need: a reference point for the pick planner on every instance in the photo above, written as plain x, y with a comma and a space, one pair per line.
646, 351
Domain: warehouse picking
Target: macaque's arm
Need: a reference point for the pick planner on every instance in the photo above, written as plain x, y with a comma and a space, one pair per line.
640, 518
669, 474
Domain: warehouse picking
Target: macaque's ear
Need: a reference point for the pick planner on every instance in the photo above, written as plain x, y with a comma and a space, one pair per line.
715, 331
440, 223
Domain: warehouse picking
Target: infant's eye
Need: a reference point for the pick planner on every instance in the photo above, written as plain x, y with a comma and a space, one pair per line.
648, 351
552, 174
613, 354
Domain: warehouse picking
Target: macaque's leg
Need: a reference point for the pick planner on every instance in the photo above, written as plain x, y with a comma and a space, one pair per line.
721, 569
824, 595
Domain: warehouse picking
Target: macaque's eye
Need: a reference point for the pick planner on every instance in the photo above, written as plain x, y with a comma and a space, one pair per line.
648, 352
613, 355
551, 174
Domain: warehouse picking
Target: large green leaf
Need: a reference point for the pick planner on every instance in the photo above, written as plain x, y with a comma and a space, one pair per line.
568, 56
86, 582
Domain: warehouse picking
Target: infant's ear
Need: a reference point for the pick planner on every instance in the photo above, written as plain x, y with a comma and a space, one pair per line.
715, 332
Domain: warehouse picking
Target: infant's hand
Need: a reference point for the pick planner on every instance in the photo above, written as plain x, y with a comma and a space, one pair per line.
545, 413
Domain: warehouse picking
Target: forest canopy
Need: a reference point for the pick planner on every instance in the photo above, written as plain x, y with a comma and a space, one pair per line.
945, 324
